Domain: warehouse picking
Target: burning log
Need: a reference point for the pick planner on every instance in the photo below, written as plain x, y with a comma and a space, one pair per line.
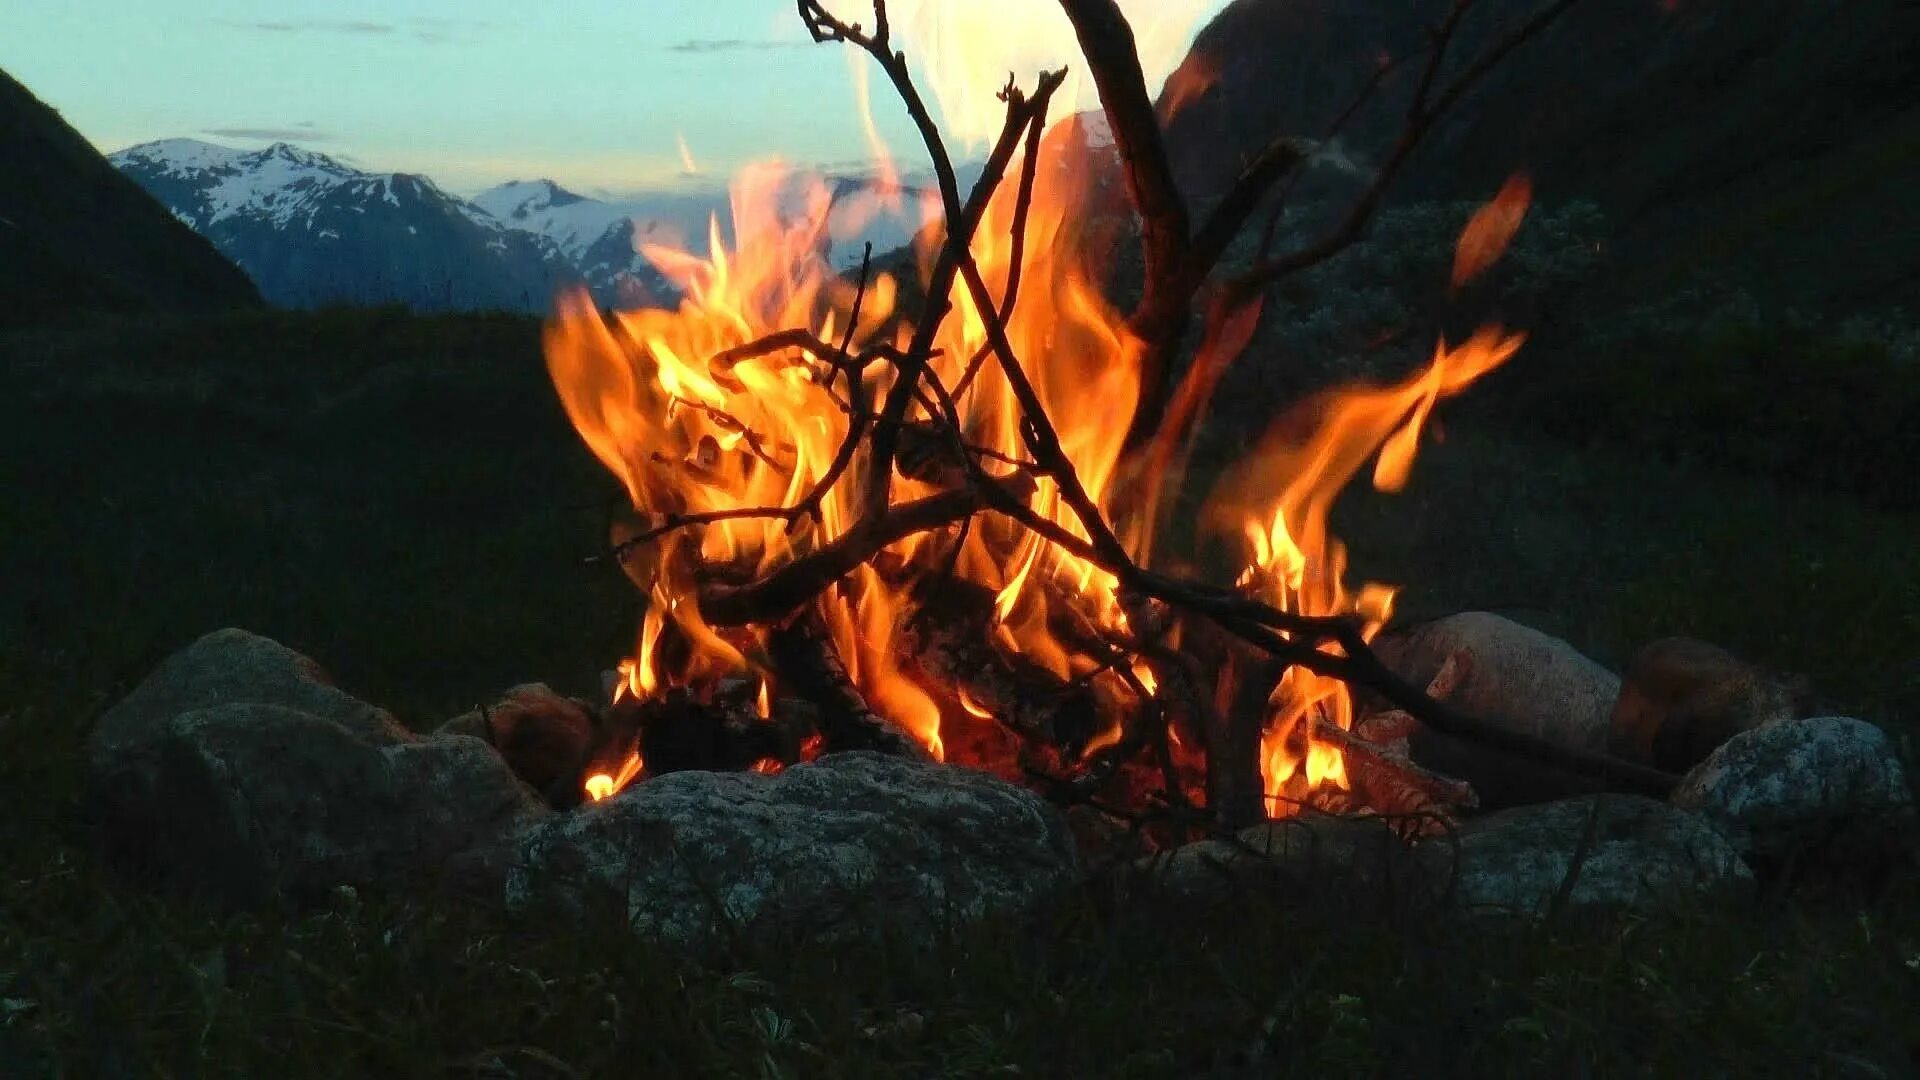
678, 732
950, 637
808, 665
1233, 714
1390, 783
785, 590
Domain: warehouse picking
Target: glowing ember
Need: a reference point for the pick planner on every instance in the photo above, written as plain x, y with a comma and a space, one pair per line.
602, 785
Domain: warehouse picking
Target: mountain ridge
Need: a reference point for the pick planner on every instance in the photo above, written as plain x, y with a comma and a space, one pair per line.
311, 230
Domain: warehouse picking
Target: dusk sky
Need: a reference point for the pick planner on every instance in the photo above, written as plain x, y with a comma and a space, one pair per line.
472, 93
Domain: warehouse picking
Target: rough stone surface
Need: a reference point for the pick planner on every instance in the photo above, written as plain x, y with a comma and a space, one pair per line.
843, 846
1513, 675
1825, 783
245, 802
229, 667
1357, 859
1681, 698
238, 772
1644, 856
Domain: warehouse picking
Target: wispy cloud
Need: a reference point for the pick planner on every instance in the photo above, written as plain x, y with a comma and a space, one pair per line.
304, 132
430, 30
701, 46
317, 26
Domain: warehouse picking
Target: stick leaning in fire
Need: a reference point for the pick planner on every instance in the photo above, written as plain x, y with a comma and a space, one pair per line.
1179, 262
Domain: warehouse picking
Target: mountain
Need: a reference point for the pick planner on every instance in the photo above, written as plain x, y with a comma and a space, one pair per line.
76, 235
311, 231
603, 238
600, 238
1775, 140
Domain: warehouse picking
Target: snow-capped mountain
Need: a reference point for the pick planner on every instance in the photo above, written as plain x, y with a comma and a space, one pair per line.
600, 237
310, 230
595, 232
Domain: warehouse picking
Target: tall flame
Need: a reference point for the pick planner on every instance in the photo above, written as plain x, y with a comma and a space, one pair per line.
967, 48
693, 424
1278, 500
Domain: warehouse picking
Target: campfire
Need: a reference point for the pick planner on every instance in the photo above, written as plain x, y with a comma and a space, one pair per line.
944, 620
934, 509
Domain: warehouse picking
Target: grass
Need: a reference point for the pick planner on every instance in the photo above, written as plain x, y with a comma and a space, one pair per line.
401, 498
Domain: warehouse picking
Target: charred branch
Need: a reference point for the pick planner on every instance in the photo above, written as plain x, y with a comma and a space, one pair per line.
951, 635
1106, 40
679, 732
955, 253
804, 655
784, 591
1424, 112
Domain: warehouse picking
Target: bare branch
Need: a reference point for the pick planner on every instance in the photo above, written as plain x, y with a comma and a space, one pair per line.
1107, 42
1426, 110
783, 591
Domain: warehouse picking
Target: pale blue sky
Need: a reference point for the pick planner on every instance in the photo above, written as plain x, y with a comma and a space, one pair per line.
471, 93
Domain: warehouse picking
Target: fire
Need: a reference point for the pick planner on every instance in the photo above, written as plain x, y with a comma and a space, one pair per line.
698, 424
1491, 229
969, 48
602, 785
1279, 498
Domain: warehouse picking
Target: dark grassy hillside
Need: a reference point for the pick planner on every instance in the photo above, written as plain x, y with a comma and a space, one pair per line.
75, 235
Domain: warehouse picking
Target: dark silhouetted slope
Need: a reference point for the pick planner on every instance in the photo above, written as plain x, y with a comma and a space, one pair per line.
76, 235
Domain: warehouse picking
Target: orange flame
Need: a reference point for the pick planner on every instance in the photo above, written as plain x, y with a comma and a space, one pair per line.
1491, 229
1298, 566
603, 785
691, 423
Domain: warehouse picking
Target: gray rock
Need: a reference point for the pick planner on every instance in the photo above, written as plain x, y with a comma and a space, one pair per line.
833, 849
1802, 787
1512, 675
239, 771
1644, 855
228, 667
245, 802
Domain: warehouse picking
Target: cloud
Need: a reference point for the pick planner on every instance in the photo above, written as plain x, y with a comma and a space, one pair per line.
430, 30
318, 26
702, 46
305, 131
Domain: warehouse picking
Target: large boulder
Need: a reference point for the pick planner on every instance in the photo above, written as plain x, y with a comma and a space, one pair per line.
1642, 855
231, 667
834, 849
1821, 786
237, 772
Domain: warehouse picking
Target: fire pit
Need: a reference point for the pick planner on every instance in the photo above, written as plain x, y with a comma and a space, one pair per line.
921, 628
